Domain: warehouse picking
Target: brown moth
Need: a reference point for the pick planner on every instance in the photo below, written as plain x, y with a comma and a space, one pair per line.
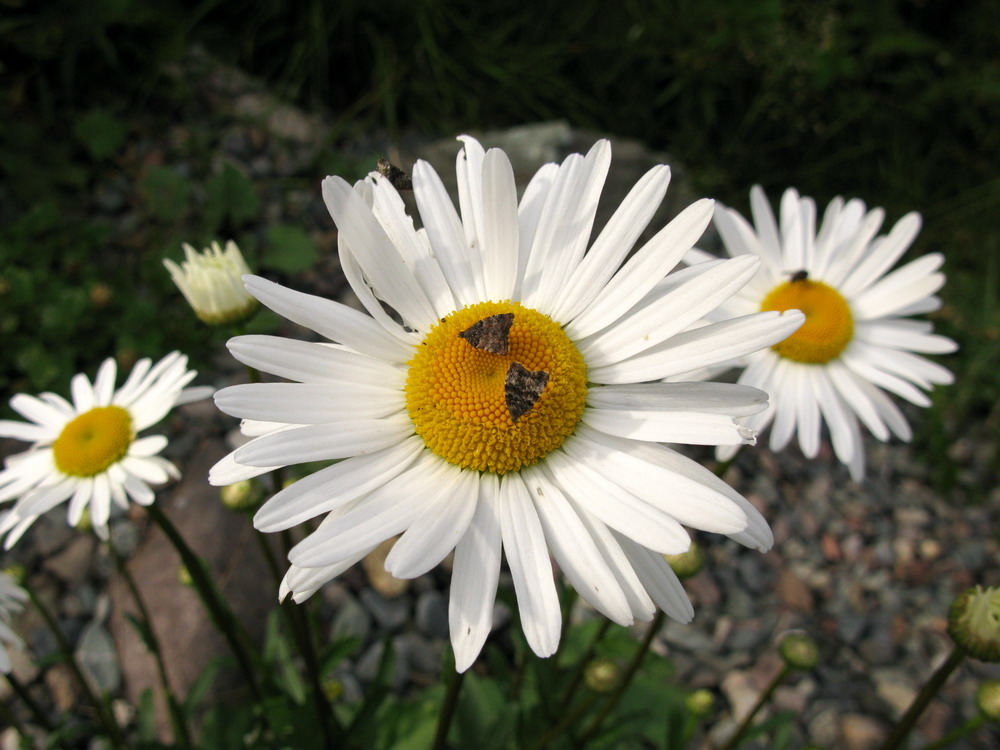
396, 176
522, 389
490, 334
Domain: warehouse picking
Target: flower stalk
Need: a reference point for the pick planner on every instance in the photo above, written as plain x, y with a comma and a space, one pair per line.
104, 713
927, 692
177, 719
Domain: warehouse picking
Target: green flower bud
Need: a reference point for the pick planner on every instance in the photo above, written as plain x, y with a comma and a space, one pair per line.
17, 573
687, 564
799, 650
184, 575
988, 699
974, 623
242, 496
700, 703
602, 675
333, 689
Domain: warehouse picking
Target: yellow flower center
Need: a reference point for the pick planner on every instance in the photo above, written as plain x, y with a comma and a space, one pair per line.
495, 386
829, 324
93, 441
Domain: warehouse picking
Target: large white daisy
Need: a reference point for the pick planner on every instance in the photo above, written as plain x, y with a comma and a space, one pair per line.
515, 407
88, 451
12, 598
858, 340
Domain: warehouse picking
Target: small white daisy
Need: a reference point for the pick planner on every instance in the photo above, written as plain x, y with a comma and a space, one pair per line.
857, 341
12, 598
515, 409
89, 452
212, 283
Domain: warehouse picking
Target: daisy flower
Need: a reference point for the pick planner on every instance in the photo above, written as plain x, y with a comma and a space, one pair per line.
858, 340
88, 451
514, 409
211, 282
12, 599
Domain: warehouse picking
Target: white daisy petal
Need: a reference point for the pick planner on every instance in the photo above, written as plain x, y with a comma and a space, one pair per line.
444, 229
335, 486
38, 412
438, 529
702, 347
528, 558
659, 580
385, 512
643, 270
104, 383
306, 361
31, 433
309, 403
668, 316
322, 442
474, 577
616, 507
500, 239
382, 263
574, 548
333, 320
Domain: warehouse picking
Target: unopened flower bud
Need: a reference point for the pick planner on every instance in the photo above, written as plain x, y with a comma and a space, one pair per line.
212, 283
799, 650
602, 675
241, 496
974, 623
687, 564
333, 689
988, 699
16, 572
700, 703
184, 575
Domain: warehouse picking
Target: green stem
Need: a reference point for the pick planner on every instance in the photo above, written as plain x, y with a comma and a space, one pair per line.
177, 719
11, 720
958, 732
929, 690
448, 706
298, 621
104, 714
222, 616
571, 719
581, 667
36, 711
735, 737
626, 680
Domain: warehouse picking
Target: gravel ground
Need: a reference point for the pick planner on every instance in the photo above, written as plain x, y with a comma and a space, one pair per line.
867, 569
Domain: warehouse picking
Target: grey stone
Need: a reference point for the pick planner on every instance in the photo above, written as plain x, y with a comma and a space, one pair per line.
390, 614
432, 614
687, 638
367, 666
97, 657
351, 619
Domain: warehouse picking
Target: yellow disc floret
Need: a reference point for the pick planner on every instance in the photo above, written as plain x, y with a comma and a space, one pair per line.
829, 324
93, 441
495, 386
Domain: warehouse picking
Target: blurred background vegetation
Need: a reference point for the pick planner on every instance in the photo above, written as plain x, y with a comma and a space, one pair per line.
893, 101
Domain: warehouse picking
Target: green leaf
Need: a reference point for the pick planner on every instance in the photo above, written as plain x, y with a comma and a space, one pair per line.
196, 693
484, 718
145, 717
142, 628
101, 133
230, 197
166, 193
288, 249
279, 654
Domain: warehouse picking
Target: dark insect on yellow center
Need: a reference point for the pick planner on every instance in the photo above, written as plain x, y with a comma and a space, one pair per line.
495, 386
829, 325
93, 441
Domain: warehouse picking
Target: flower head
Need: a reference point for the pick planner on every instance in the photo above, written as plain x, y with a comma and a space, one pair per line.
211, 282
517, 407
858, 340
12, 599
88, 451
974, 623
